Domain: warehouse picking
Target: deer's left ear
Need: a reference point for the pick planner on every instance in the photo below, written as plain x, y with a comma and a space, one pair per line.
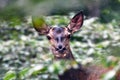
76, 22
39, 25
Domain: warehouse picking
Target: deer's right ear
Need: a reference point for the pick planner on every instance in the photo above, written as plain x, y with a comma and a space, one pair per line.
39, 25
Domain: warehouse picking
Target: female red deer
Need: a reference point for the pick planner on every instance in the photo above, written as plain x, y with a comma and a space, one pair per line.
59, 38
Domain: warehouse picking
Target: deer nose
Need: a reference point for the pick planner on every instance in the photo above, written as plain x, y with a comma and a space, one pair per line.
59, 46
60, 49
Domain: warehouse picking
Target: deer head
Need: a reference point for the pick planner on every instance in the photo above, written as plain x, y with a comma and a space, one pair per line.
59, 36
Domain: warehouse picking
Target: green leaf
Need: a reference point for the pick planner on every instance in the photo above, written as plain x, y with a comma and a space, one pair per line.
38, 69
10, 75
24, 72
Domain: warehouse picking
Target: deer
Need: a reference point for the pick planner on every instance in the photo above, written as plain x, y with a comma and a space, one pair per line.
59, 38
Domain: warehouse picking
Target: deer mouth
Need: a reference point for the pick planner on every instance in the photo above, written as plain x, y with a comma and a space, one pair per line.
61, 51
58, 52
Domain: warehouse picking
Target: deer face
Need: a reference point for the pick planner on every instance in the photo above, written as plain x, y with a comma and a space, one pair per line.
59, 39
59, 36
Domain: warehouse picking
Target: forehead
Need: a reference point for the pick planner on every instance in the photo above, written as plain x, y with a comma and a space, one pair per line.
58, 30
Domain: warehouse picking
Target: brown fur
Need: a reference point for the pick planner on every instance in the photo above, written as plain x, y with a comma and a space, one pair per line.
86, 73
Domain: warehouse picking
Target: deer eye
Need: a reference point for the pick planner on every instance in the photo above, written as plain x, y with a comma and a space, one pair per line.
56, 39
69, 36
48, 37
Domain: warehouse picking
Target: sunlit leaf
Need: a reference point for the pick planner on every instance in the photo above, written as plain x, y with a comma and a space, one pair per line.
10, 75
110, 75
23, 73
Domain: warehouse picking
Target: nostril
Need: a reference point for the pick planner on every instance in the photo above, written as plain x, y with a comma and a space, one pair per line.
64, 48
60, 46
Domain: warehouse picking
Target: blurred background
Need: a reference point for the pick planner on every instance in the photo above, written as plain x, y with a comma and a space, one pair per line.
106, 10
25, 55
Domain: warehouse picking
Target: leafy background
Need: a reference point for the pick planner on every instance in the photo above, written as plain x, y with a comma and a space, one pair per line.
25, 55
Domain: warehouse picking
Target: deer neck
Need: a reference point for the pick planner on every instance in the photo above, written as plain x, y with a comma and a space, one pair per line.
67, 55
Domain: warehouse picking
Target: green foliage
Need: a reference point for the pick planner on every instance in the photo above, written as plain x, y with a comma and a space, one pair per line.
25, 55
23, 73
110, 10
16, 10
13, 14
10, 75
36, 1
